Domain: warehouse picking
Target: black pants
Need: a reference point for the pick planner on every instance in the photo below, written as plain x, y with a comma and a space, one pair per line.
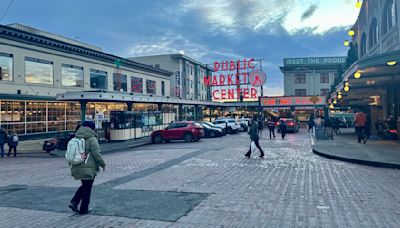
258, 146
83, 195
9, 151
271, 132
283, 134
360, 134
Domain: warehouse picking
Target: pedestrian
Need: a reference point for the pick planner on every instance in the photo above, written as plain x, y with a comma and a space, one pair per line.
310, 124
12, 142
336, 126
86, 171
360, 120
329, 128
254, 137
282, 128
3, 140
271, 128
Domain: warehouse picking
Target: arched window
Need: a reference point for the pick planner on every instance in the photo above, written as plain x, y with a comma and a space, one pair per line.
389, 17
373, 33
363, 46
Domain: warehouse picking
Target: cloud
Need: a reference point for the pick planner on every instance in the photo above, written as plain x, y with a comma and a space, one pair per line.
309, 12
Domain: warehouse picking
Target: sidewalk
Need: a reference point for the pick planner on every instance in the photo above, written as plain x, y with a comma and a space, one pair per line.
381, 153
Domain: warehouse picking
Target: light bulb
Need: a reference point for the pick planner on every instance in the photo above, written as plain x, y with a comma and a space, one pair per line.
357, 75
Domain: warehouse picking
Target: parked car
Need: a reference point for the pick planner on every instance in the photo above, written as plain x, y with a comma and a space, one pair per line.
210, 131
232, 126
60, 142
223, 128
183, 130
291, 125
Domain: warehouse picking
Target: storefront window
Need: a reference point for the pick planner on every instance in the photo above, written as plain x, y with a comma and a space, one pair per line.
73, 112
6, 67
35, 127
72, 75
120, 83
98, 79
38, 71
36, 111
136, 85
150, 87
56, 111
12, 111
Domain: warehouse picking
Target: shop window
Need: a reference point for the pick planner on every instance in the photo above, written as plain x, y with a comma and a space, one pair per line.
324, 92
389, 16
6, 67
363, 46
136, 85
150, 87
120, 83
98, 79
72, 75
35, 111
73, 111
38, 71
324, 78
12, 111
299, 78
32, 128
300, 92
56, 111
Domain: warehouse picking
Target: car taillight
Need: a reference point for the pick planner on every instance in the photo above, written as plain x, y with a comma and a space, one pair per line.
277, 123
290, 124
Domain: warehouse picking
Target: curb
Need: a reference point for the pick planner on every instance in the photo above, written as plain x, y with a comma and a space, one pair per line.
358, 161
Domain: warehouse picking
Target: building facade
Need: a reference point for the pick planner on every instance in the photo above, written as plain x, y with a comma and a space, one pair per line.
312, 76
35, 66
188, 79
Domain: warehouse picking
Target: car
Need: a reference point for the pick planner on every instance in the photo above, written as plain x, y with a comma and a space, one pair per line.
210, 131
223, 128
182, 130
232, 126
291, 125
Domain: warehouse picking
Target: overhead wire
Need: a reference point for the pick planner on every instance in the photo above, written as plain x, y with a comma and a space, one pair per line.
5, 12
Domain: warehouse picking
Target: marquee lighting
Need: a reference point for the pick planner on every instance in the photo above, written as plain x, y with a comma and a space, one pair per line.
351, 33
334, 101
339, 96
346, 88
357, 74
346, 84
346, 43
391, 63
331, 106
358, 4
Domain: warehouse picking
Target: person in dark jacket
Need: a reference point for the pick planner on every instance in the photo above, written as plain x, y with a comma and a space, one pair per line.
329, 128
311, 124
3, 140
254, 137
282, 128
12, 142
86, 171
271, 127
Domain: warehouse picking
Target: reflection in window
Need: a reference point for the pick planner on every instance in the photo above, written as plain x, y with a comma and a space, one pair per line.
98, 79
136, 85
151, 87
38, 71
120, 83
6, 67
72, 75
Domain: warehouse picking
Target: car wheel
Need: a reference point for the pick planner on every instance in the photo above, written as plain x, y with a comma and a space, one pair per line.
188, 137
212, 134
157, 139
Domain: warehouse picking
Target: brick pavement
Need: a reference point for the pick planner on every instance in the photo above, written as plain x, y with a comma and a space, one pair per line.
292, 187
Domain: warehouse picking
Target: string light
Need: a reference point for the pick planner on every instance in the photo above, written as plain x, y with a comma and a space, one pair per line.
358, 4
351, 33
357, 74
346, 43
391, 63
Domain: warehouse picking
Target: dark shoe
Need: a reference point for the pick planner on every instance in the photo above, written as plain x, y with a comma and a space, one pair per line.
365, 140
262, 156
74, 207
85, 212
247, 156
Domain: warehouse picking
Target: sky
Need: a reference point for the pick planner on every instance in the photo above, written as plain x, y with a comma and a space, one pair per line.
207, 31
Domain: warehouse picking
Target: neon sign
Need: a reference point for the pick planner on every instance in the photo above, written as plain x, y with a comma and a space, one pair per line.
292, 101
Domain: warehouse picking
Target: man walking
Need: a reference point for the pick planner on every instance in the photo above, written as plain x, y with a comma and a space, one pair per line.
282, 128
86, 171
254, 138
271, 128
3, 141
360, 120
329, 128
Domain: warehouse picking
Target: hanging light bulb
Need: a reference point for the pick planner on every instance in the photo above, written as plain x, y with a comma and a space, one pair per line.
358, 4
334, 101
346, 88
351, 33
357, 74
339, 96
391, 63
346, 43
331, 106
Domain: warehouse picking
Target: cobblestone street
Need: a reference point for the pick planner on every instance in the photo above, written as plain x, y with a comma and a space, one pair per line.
205, 184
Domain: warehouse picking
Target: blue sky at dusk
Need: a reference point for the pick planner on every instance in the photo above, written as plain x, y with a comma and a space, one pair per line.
205, 30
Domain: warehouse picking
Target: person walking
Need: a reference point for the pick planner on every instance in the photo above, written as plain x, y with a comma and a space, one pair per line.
271, 128
282, 128
86, 171
12, 142
360, 120
329, 127
3, 140
254, 138
310, 124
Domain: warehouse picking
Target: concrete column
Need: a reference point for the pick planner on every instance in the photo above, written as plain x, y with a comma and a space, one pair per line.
159, 106
180, 112
83, 110
196, 112
130, 106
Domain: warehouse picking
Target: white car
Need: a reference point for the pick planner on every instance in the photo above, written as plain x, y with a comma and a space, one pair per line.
231, 125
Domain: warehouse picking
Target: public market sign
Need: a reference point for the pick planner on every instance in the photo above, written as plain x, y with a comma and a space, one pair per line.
314, 61
232, 80
293, 101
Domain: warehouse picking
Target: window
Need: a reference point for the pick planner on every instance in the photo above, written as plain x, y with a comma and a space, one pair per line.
120, 83
6, 73
324, 92
324, 78
150, 87
71, 75
299, 78
162, 88
363, 47
389, 18
136, 85
38, 71
98, 79
300, 92
373, 33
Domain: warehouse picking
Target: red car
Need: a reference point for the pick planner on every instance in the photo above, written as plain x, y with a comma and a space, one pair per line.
184, 130
291, 125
